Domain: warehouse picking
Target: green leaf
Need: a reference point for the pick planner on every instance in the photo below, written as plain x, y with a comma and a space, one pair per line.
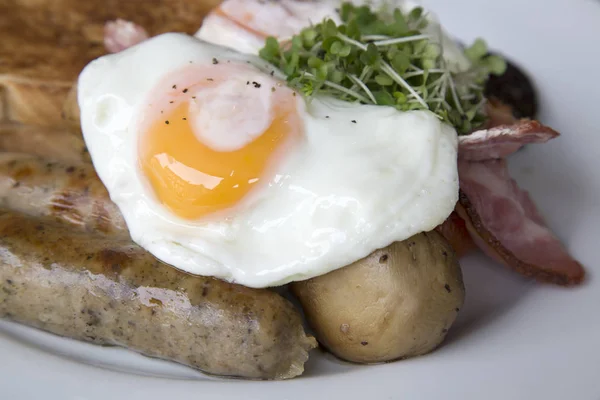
297, 43
432, 50
322, 72
371, 55
377, 28
307, 89
336, 47
399, 27
400, 97
315, 62
400, 62
329, 29
415, 14
384, 98
327, 43
384, 80
477, 50
346, 10
345, 51
294, 60
271, 49
496, 65
428, 63
336, 76
309, 35
419, 46
289, 69
353, 30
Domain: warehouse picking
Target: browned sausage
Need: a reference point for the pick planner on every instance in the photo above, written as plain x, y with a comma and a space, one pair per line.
70, 193
55, 144
108, 291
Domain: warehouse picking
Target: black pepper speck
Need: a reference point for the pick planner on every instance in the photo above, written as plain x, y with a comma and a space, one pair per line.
447, 287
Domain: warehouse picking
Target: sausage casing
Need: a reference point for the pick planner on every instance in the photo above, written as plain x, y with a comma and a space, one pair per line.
108, 291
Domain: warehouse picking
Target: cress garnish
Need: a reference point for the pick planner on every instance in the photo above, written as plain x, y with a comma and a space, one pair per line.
385, 57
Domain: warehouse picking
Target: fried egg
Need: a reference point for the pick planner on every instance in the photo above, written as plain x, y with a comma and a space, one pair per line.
222, 170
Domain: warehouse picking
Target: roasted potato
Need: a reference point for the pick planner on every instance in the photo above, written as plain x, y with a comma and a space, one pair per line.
398, 302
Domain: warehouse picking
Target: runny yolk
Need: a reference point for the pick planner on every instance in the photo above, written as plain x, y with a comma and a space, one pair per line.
192, 179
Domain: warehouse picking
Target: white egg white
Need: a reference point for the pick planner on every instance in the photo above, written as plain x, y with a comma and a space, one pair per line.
360, 178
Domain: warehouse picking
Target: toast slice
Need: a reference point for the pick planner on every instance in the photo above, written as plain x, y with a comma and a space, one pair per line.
46, 43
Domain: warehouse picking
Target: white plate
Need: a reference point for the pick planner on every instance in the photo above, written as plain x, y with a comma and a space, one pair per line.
514, 339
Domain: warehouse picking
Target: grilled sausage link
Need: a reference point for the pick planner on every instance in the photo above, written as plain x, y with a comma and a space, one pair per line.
108, 291
66, 192
54, 144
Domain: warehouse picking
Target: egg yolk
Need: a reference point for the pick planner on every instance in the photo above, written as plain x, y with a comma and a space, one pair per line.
194, 179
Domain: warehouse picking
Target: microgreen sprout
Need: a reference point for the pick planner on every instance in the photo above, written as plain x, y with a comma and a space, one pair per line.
385, 57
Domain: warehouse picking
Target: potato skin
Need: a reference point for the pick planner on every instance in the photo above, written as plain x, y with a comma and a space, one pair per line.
396, 303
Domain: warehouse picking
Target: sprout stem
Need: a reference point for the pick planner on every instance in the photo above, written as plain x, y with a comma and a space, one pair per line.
368, 38
341, 88
407, 39
352, 41
363, 87
385, 67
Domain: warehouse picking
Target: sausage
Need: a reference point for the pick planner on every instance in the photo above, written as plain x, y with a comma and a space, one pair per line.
70, 193
56, 144
106, 291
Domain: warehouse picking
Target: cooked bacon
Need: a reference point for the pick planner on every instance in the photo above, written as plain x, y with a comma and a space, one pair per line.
506, 225
499, 114
454, 230
501, 141
120, 35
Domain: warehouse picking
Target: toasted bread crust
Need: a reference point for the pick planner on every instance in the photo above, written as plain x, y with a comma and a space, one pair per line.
46, 43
